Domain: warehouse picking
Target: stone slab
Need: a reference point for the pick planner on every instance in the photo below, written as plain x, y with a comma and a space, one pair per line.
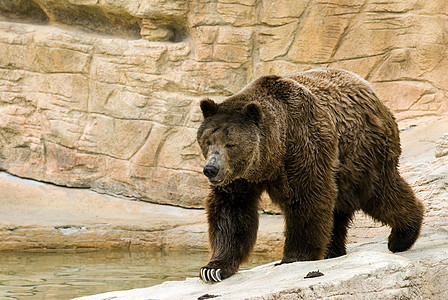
367, 272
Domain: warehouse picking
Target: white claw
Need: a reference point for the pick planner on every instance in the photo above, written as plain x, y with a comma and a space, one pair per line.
218, 274
213, 275
210, 278
203, 274
207, 275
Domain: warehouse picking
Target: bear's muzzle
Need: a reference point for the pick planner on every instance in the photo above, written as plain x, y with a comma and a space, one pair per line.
214, 169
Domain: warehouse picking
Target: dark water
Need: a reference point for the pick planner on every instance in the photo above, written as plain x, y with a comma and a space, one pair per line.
69, 274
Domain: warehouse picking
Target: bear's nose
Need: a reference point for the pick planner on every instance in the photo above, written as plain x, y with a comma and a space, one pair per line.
211, 171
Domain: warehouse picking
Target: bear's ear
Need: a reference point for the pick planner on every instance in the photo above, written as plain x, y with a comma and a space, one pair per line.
254, 111
209, 108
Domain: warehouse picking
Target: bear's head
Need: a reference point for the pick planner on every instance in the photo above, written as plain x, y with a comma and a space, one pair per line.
229, 138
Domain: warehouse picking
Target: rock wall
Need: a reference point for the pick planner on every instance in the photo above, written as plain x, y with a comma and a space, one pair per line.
103, 94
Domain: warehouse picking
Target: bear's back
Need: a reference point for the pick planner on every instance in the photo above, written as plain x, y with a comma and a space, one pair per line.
350, 102
343, 92
365, 127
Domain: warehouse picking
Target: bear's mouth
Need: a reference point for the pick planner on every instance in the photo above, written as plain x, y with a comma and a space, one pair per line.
216, 182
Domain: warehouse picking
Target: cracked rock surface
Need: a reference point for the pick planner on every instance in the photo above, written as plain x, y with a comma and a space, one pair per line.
104, 94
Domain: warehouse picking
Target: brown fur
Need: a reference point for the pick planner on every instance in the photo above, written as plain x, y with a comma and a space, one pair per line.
323, 146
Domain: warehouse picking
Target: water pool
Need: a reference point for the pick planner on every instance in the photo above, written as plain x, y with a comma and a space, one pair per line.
66, 274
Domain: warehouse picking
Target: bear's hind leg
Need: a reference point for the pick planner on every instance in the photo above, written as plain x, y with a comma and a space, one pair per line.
341, 223
395, 204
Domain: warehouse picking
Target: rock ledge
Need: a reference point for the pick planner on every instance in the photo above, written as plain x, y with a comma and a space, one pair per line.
369, 271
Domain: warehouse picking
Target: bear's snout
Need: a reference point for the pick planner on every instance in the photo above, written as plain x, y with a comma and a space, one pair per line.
211, 171
214, 168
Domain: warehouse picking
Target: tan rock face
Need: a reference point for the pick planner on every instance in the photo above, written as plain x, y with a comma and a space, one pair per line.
104, 94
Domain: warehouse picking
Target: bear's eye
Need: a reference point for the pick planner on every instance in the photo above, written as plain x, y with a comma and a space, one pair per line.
208, 143
229, 146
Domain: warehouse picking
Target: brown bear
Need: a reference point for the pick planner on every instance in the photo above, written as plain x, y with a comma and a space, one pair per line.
323, 146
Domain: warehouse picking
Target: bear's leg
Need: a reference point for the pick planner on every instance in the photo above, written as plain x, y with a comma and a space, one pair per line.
339, 235
395, 204
233, 224
307, 231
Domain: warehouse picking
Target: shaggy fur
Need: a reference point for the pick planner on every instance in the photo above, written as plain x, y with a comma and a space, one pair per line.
323, 146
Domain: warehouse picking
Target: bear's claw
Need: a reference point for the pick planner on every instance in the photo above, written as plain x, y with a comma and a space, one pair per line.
211, 275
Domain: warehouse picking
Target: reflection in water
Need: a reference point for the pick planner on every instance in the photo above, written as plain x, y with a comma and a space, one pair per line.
68, 274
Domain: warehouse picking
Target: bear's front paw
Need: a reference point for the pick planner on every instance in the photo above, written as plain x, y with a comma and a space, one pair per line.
211, 275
